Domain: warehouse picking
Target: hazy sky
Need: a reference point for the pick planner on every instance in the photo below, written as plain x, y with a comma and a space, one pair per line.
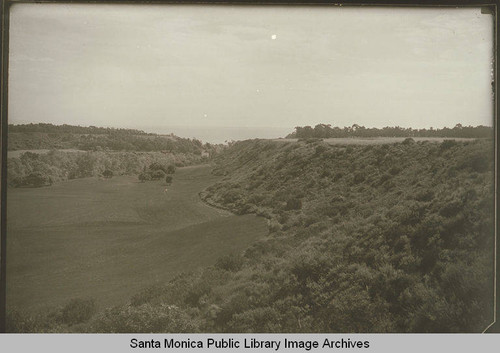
179, 65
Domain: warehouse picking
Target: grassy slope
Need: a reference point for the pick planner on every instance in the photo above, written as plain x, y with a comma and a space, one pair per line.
107, 239
390, 238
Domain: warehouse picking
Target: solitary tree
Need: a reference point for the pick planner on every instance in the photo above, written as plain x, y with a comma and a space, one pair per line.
171, 169
107, 174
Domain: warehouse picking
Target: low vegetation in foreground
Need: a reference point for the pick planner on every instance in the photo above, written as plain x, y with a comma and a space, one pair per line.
378, 238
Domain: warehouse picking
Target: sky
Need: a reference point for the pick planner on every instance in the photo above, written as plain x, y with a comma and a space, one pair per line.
203, 66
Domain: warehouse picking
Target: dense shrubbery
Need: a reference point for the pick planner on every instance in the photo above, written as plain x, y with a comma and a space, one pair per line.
388, 238
35, 170
48, 136
157, 171
75, 313
78, 311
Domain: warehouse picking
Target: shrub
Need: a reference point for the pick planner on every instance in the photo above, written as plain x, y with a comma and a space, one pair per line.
145, 318
36, 179
320, 149
424, 195
359, 177
144, 176
447, 144
23, 322
168, 179
232, 263
478, 162
231, 196
293, 204
107, 174
78, 311
395, 170
157, 166
157, 174
170, 169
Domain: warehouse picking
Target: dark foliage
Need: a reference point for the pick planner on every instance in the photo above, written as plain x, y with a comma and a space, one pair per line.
48, 136
390, 238
35, 170
107, 174
78, 311
327, 131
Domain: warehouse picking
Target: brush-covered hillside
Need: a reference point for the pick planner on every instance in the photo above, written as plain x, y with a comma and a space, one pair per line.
379, 238
49, 153
48, 136
395, 237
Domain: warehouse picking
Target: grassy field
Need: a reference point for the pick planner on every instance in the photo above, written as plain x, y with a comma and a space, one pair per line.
108, 239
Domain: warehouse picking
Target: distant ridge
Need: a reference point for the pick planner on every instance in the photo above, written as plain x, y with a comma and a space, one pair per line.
73, 129
327, 131
92, 138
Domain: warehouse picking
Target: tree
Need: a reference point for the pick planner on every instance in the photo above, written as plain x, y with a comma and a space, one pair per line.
168, 179
157, 174
36, 179
144, 176
170, 169
107, 174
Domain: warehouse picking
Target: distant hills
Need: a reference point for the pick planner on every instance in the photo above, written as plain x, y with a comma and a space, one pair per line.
49, 136
72, 129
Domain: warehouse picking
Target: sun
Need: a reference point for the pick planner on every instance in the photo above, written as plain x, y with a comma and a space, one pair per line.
274, 36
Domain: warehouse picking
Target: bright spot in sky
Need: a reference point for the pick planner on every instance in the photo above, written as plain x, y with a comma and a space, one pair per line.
273, 37
205, 115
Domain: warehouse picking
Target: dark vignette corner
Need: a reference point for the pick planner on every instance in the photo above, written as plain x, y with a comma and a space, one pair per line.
4, 15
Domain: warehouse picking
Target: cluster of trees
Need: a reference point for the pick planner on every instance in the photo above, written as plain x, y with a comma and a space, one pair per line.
137, 152
41, 169
157, 171
72, 129
378, 238
48, 136
327, 131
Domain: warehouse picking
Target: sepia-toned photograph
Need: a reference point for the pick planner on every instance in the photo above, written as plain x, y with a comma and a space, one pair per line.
249, 169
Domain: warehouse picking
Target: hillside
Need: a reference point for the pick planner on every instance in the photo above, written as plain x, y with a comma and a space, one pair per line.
377, 238
389, 238
47, 153
48, 136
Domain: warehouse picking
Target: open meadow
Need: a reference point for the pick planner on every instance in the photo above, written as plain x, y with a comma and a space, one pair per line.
107, 239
